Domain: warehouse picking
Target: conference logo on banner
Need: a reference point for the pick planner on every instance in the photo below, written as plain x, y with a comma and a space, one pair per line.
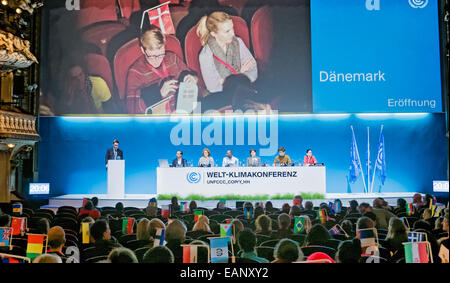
193, 177
418, 3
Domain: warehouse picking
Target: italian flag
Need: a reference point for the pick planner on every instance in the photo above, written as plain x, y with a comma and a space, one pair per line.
127, 225
190, 254
416, 252
35, 245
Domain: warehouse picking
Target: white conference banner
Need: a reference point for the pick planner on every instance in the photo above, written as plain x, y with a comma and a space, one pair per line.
216, 181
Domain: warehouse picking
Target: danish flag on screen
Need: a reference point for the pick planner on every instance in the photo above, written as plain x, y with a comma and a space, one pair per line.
160, 17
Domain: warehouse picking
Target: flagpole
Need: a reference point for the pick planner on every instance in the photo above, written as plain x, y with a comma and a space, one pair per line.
369, 190
146, 11
375, 167
359, 159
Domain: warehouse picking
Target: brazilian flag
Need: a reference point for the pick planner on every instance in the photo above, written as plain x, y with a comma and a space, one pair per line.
300, 224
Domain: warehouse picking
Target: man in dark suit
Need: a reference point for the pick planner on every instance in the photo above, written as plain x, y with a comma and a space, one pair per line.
179, 161
113, 153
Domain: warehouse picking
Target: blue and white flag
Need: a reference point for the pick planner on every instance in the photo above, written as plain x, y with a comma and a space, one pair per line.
355, 162
381, 159
219, 250
416, 237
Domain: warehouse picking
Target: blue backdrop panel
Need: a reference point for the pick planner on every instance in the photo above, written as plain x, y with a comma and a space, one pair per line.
349, 38
72, 149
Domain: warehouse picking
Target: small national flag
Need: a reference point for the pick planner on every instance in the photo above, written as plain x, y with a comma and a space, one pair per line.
417, 237
219, 250
85, 200
248, 212
225, 230
335, 230
184, 206
416, 252
159, 237
5, 237
433, 210
296, 202
152, 202
322, 215
35, 245
332, 208
197, 215
85, 230
337, 206
127, 225
300, 224
165, 211
17, 209
355, 162
190, 254
410, 209
160, 17
18, 225
367, 237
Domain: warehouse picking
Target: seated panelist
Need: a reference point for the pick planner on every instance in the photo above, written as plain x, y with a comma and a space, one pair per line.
179, 161
309, 159
253, 160
206, 160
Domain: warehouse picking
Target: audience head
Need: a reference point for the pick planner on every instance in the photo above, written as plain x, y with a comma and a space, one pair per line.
284, 221
56, 238
237, 226
152, 43
422, 224
100, 230
287, 251
438, 223
47, 258
43, 225
192, 206
309, 205
202, 252
176, 231
218, 25
122, 255
349, 251
401, 203
158, 254
247, 240
371, 215
258, 211
318, 235
319, 256
154, 225
353, 205
417, 198
119, 207
347, 225
202, 224
364, 207
269, 205
263, 224
300, 198
427, 214
295, 211
445, 222
5, 220
143, 230
286, 208
88, 205
94, 201
364, 223
397, 230
174, 201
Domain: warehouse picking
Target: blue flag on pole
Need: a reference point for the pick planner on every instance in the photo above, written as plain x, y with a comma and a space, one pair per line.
381, 159
355, 162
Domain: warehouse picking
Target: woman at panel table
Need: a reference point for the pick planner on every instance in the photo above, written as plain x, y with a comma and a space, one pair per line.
309, 159
282, 159
253, 160
206, 160
223, 53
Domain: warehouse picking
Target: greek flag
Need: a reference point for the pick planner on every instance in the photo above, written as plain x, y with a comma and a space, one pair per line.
381, 159
355, 162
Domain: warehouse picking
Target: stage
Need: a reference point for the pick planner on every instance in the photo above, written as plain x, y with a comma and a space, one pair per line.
141, 200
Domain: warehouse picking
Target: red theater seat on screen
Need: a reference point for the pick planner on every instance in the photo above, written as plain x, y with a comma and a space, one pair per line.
100, 34
262, 35
130, 52
192, 44
94, 11
98, 65
236, 4
128, 7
